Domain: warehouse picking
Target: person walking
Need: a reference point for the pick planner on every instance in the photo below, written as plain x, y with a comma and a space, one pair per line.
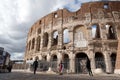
88, 66
61, 66
9, 66
35, 65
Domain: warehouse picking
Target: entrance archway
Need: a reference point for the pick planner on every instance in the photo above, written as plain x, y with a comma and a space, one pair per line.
113, 60
66, 61
99, 61
45, 58
80, 63
53, 63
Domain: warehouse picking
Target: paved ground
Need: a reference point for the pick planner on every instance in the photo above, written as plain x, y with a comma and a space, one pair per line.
17, 75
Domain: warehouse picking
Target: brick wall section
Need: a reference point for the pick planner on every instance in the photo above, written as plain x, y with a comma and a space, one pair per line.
118, 57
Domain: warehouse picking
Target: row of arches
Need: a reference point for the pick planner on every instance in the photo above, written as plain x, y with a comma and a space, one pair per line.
80, 61
110, 31
31, 43
79, 36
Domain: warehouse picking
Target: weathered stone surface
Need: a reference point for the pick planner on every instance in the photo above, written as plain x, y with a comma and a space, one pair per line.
101, 42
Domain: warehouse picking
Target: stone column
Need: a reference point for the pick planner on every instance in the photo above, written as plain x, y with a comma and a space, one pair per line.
92, 58
72, 63
40, 57
48, 59
103, 31
117, 65
108, 62
41, 44
60, 39
50, 40
35, 45
59, 56
71, 37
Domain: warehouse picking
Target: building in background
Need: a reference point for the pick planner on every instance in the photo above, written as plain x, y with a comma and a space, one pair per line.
93, 31
4, 60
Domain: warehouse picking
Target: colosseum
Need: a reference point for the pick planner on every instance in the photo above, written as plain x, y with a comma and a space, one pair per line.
92, 31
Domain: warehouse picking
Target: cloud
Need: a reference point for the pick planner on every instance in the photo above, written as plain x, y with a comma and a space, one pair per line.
17, 16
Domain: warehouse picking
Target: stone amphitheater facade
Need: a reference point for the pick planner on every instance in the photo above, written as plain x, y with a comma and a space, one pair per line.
93, 31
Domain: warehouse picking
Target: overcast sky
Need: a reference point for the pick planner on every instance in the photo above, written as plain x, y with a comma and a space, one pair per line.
17, 16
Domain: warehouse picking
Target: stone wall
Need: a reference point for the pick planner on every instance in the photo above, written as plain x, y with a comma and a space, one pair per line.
104, 16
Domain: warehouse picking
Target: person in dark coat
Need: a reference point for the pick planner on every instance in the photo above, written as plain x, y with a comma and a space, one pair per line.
9, 67
88, 66
35, 65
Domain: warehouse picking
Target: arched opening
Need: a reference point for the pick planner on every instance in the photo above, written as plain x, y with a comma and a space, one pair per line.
38, 43
33, 43
99, 61
44, 58
113, 61
95, 31
54, 58
45, 39
29, 45
110, 32
54, 63
80, 63
80, 36
31, 58
36, 58
66, 61
66, 36
39, 31
55, 38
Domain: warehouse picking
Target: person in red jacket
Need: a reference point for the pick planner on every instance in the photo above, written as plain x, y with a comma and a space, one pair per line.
61, 66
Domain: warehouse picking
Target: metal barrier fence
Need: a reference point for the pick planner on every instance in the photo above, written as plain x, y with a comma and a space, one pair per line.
80, 65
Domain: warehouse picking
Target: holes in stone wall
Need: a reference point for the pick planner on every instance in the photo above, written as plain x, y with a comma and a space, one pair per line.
55, 15
55, 38
45, 40
40, 22
110, 32
95, 31
33, 43
66, 36
39, 31
106, 6
38, 44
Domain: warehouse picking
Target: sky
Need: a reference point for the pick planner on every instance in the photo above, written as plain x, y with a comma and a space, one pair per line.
17, 16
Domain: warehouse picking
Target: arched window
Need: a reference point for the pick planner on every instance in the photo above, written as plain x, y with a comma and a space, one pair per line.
113, 61
45, 41
38, 43
39, 31
66, 36
106, 6
66, 61
55, 38
55, 15
29, 45
99, 61
110, 32
33, 43
95, 31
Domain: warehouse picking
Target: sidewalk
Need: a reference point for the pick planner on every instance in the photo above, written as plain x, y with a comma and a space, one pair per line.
75, 75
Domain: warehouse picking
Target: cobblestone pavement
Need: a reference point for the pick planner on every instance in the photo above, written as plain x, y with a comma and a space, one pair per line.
39, 76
